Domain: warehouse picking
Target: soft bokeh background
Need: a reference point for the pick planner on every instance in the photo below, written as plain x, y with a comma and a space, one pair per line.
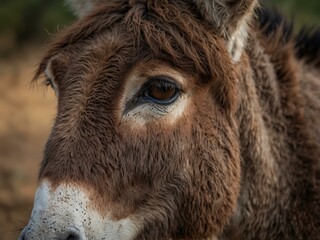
27, 113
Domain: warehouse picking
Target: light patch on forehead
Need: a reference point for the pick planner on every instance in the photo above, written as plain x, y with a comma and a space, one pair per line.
69, 206
144, 113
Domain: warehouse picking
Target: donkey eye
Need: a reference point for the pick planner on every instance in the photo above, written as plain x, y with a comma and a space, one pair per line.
48, 82
161, 91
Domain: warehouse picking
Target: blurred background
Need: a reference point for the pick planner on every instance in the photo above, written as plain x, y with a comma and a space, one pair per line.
27, 112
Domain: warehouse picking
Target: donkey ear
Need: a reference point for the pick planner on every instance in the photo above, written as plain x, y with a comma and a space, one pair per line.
230, 18
81, 7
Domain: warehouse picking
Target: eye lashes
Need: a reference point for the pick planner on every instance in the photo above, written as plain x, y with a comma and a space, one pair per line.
48, 82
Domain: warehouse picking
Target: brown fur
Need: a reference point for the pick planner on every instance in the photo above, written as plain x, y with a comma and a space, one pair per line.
242, 161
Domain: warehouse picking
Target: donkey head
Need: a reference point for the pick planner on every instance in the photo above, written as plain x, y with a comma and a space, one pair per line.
144, 145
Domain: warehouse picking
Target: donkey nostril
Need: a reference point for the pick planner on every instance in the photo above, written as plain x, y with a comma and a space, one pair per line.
23, 235
73, 234
72, 237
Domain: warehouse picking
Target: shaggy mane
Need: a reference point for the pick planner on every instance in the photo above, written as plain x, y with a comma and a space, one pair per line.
306, 43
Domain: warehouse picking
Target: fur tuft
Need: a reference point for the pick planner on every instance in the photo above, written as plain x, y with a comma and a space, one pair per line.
308, 47
230, 18
81, 7
273, 24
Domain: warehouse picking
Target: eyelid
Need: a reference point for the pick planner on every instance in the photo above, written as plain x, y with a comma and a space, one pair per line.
166, 79
141, 98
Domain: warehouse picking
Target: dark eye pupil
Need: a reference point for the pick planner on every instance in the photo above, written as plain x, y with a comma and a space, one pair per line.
48, 82
162, 91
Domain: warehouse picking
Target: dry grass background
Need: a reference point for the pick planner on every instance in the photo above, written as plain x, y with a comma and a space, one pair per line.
26, 116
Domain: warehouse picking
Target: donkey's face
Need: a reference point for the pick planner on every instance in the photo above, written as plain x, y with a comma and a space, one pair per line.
144, 143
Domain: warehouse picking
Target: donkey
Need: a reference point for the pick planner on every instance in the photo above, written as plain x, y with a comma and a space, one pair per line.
180, 120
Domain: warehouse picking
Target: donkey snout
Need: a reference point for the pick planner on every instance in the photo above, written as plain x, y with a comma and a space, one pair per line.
67, 212
70, 233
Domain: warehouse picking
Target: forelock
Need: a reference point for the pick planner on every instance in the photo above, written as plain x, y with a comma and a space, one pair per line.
172, 32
